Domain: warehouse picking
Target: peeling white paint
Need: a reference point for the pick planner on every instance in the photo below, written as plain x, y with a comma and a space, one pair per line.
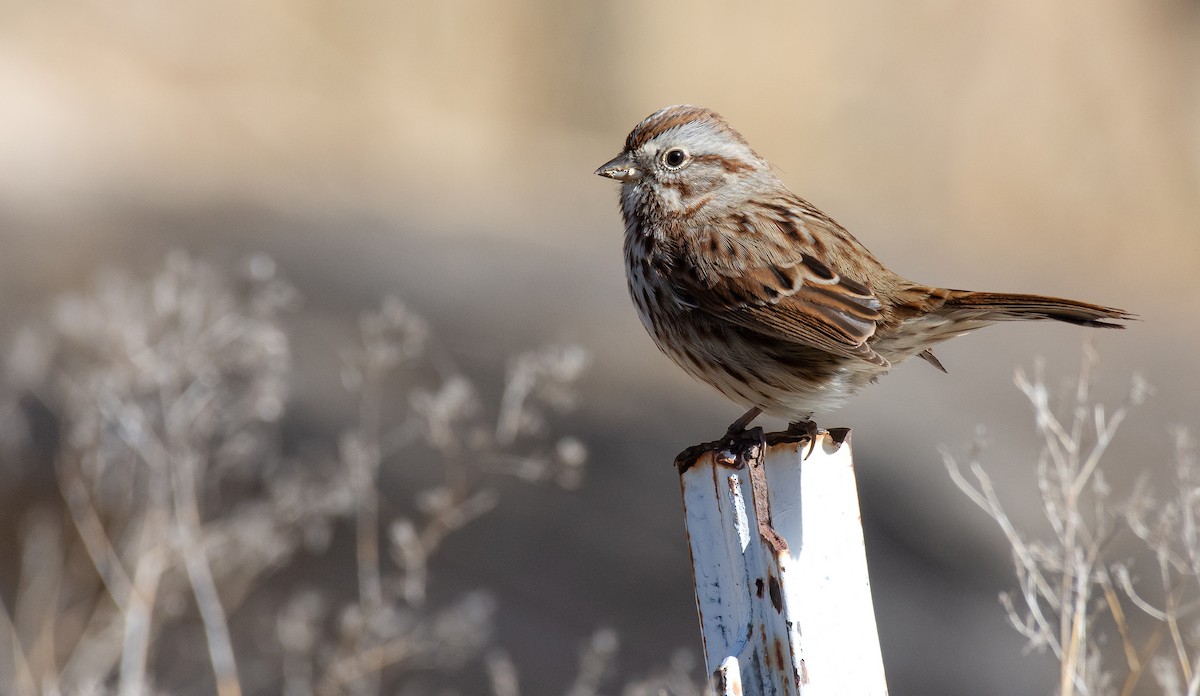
799, 623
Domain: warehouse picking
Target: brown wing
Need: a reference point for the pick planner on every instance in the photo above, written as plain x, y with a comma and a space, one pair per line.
775, 285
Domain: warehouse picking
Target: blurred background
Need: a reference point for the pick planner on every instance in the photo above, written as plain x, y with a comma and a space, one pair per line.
444, 152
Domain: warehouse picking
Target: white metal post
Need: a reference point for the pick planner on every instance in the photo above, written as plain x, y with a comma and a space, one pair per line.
783, 593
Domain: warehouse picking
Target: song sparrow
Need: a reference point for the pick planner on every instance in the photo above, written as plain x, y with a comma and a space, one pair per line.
752, 289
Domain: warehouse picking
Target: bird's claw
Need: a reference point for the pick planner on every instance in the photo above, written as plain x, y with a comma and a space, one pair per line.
808, 429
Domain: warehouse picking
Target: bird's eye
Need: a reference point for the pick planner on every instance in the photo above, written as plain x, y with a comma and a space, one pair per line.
674, 158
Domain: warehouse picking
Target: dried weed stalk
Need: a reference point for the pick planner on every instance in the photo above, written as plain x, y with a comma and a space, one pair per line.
596, 663
1074, 595
167, 396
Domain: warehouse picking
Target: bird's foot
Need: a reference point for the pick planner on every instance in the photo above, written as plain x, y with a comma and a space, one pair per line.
739, 426
732, 450
740, 444
735, 449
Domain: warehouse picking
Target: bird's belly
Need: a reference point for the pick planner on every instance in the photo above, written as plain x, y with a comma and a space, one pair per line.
787, 380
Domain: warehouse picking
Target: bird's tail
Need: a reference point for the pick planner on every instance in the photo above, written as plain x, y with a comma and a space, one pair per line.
1002, 306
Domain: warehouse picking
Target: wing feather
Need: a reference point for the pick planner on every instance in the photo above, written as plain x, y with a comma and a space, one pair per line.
781, 288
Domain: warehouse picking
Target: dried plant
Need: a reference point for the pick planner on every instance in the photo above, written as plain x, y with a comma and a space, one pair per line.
1168, 529
164, 392
596, 662
1075, 593
385, 628
177, 496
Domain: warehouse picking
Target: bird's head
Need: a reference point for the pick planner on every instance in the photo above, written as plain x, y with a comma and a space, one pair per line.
683, 159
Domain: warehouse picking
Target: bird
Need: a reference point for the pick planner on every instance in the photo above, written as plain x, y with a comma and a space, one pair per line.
757, 292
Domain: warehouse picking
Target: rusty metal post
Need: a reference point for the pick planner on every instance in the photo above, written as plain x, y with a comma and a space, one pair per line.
780, 567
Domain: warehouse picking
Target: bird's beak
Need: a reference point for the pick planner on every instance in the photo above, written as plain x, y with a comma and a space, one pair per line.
620, 168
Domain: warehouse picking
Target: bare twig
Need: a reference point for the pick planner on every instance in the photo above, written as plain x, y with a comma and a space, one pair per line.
1061, 578
204, 588
168, 393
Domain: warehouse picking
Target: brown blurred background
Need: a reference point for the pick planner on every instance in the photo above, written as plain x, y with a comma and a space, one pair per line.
444, 151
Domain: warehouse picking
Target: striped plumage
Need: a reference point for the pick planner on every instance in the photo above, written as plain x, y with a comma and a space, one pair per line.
755, 291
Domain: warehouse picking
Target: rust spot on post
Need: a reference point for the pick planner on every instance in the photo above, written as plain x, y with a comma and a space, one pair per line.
758, 587
838, 437
726, 452
758, 487
688, 458
784, 437
779, 653
735, 453
776, 594
725, 680
720, 681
